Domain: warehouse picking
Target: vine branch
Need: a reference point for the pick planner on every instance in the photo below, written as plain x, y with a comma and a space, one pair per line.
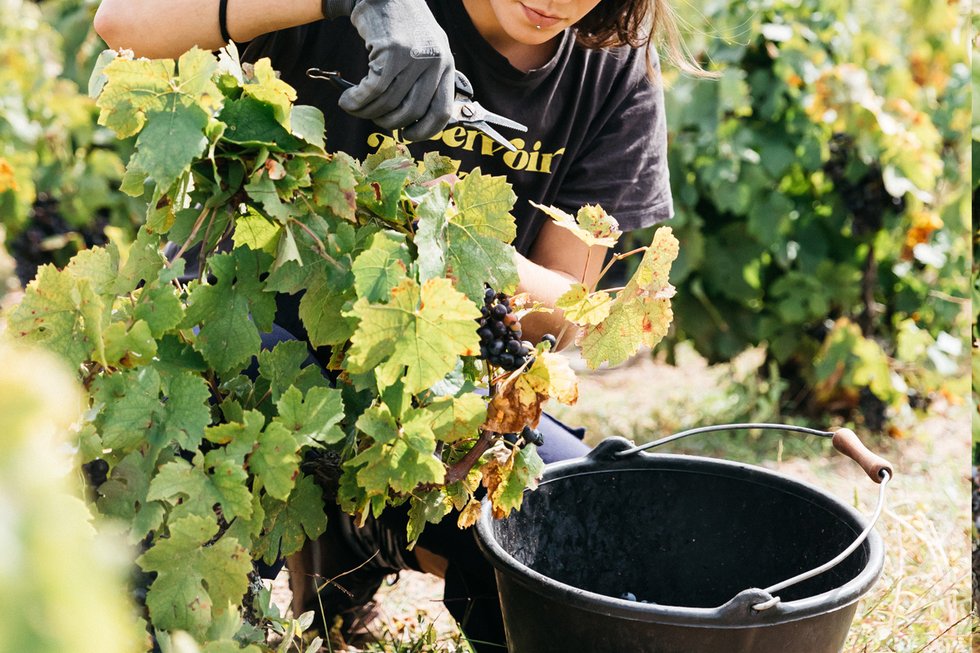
458, 470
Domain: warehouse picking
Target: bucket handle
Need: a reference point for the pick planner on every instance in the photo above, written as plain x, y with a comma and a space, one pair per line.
845, 441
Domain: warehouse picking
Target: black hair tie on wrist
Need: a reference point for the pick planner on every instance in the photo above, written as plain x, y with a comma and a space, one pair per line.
223, 20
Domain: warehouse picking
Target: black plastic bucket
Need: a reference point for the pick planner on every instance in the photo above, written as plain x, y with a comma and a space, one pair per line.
696, 538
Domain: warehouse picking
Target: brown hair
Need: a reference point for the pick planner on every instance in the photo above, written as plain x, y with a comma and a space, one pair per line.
638, 24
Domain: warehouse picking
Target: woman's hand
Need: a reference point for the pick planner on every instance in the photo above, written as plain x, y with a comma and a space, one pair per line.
557, 260
411, 80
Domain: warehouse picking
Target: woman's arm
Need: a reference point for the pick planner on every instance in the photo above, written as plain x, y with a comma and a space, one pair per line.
168, 28
557, 260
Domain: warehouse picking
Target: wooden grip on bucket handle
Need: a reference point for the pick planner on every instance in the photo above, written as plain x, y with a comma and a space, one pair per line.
847, 442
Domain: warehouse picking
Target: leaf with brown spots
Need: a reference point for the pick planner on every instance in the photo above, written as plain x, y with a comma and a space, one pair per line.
641, 313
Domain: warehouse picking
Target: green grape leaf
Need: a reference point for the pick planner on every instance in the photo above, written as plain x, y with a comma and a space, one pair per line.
430, 508
130, 403
592, 225
51, 314
193, 492
307, 123
422, 329
253, 123
313, 418
323, 309
123, 495
99, 267
195, 78
289, 524
484, 204
262, 188
430, 236
186, 412
478, 236
194, 583
641, 313
160, 308
169, 142
380, 192
457, 418
231, 311
582, 307
275, 462
400, 457
282, 365
238, 437
334, 185
381, 267
230, 481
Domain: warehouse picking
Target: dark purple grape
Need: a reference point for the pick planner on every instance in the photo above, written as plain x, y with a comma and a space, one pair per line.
500, 310
513, 346
507, 361
532, 436
499, 329
488, 296
486, 335
96, 472
550, 339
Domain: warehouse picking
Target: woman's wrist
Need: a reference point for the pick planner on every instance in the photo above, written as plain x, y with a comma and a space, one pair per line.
544, 286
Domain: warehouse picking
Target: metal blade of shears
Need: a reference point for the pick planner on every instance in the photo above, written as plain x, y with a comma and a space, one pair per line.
484, 127
331, 76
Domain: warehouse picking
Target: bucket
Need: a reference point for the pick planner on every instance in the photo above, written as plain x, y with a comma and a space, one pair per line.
624, 551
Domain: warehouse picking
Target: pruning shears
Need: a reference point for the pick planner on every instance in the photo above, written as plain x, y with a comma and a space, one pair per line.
466, 110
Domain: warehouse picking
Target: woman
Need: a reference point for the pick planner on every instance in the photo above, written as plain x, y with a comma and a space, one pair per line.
578, 73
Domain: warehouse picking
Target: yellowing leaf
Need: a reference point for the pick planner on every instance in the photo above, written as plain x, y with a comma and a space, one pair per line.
417, 337
7, 179
513, 406
592, 225
506, 477
134, 87
641, 314
266, 87
582, 307
553, 377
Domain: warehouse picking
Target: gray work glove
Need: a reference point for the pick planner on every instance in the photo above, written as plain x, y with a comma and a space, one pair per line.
411, 77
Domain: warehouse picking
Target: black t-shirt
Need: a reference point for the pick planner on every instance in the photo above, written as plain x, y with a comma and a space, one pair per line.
596, 128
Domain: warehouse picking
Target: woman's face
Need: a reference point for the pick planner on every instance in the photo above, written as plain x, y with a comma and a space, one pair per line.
533, 22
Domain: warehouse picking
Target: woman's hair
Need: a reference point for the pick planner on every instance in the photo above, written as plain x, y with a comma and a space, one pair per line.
638, 24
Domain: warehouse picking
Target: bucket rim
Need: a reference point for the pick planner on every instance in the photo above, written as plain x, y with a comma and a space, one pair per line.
736, 613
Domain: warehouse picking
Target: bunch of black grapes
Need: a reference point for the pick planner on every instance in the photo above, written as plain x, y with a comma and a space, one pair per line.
866, 198
500, 333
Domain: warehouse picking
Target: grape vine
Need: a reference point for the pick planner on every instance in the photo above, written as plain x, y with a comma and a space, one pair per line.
218, 452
